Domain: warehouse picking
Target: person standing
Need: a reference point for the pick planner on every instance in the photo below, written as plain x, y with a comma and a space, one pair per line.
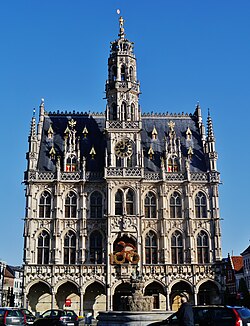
185, 313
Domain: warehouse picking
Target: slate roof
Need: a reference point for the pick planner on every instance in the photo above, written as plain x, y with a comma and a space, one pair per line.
95, 125
246, 251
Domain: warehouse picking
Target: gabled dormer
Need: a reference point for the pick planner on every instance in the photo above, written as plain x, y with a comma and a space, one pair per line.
71, 148
173, 150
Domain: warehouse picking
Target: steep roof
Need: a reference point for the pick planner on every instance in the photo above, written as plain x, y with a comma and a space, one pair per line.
95, 124
246, 251
237, 262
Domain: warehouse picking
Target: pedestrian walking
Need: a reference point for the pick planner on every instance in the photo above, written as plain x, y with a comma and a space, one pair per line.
185, 313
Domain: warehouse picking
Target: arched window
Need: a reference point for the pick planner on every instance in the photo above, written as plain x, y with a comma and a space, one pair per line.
173, 165
130, 202
151, 248
118, 202
96, 205
70, 248
200, 205
123, 73
131, 73
95, 247
175, 206
43, 248
70, 205
71, 163
177, 248
150, 205
132, 112
114, 112
113, 73
202, 248
45, 205
124, 111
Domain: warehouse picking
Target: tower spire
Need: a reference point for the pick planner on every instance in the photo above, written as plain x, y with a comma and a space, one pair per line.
122, 31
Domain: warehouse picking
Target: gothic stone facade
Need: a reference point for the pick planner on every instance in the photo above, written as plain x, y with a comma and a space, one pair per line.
119, 195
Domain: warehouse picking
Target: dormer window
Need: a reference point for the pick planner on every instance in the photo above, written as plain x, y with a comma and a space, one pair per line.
71, 163
173, 165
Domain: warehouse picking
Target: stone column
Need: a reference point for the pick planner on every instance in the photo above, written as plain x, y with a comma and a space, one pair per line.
81, 302
53, 296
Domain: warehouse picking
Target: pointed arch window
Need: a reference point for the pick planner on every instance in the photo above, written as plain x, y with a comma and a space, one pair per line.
95, 247
173, 165
150, 205
70, 248
175, 205
71, 163
131, 73
132, 112
45, 205
70, 205
124, 111
123, 73
113, 73
118, 202
114, 112
151, 248
177, 248
43, 248
130, 161
200, 205
202, 248
96, 205
130, 202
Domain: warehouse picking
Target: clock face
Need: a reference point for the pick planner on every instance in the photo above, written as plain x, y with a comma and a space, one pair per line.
123, 148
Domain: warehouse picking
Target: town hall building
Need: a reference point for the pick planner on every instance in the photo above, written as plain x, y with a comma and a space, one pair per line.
118, 195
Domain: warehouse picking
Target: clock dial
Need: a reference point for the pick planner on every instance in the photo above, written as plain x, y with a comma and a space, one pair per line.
123, 148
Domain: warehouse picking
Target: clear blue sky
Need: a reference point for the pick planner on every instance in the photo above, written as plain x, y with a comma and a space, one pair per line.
187, 51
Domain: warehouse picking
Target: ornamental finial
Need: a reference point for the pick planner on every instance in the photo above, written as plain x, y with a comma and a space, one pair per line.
121, 23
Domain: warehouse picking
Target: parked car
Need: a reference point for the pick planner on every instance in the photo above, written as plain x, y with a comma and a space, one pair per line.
30, 318
213, 316
12, 316
57, 317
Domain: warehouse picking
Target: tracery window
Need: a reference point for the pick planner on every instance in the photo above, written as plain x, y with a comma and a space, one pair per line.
43, 248
151, 248
200, 205
150, 205
70, 248
202, 248
177, 248
96, 205
95, 247
118, 202
71, 163
45, 205
70, 205
175, 205
130, 202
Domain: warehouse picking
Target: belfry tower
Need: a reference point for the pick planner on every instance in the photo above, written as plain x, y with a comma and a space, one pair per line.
116, 195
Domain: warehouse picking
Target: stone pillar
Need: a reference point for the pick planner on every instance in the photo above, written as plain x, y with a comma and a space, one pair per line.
81, 302
168, 301
53, 296
195, 296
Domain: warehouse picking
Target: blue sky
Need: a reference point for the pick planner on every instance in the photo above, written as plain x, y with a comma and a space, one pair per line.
187, 51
